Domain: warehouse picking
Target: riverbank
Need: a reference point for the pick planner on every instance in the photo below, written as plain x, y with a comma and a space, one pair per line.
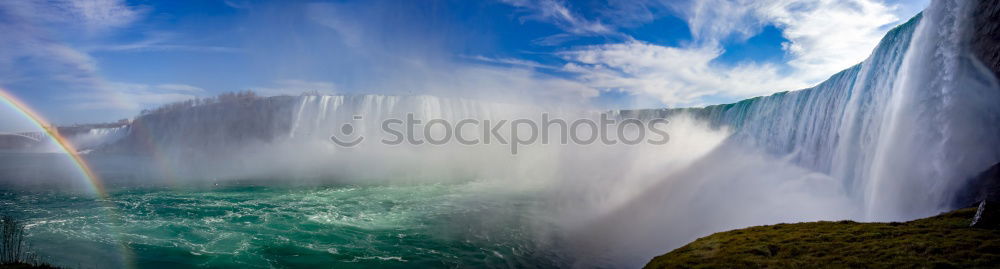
943, 241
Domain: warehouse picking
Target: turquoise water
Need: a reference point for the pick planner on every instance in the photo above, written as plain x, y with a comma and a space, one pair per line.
434, 225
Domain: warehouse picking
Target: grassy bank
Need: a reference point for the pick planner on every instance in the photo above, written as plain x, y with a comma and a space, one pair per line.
943, 241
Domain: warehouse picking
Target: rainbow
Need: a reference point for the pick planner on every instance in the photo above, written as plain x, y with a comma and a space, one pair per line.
93, 181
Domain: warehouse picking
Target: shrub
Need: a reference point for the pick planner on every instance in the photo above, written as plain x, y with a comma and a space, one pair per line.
13, 249
11, 240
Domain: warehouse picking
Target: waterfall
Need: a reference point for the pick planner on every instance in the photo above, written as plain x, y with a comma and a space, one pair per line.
86, 139
318, 117
941, 126
97, 137
891, 138
901, 131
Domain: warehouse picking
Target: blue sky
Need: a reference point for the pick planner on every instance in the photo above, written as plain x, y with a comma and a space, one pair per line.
78, 61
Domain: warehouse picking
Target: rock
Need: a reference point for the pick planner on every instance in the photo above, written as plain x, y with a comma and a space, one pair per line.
986, 38
982, 187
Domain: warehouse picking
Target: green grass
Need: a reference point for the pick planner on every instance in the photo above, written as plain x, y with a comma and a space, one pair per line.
943, 241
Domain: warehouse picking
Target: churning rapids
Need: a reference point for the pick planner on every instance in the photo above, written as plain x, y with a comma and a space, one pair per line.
255, 182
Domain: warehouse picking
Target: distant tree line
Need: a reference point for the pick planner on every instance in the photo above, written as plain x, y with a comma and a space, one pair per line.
244, 97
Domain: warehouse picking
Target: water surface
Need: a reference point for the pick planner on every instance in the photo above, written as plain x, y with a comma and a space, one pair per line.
438, 225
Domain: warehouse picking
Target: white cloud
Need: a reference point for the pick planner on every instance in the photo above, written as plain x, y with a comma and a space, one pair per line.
675, 76
510, 62
159, 41
237, 4
516, 84
133, 97
337, 17
557, 13
35, 56
179, 88
825, 36
39, 51
712, 21
98, 15
31, 52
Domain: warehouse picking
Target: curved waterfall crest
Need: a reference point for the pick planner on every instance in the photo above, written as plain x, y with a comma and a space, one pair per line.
901, 131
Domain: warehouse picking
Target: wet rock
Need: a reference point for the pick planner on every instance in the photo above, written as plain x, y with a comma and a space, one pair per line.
986, 34
982, 187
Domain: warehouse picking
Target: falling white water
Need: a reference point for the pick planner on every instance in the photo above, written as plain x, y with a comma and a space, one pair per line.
87, 140
325, 115
941, 128
97, 137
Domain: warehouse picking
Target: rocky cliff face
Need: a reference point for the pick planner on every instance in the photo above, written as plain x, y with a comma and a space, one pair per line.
986, 34
985, 45
985, 186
